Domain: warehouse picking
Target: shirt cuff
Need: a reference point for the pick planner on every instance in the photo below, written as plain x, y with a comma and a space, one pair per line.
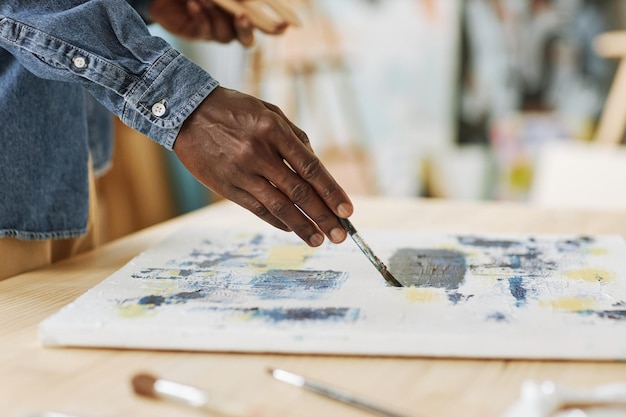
167, 94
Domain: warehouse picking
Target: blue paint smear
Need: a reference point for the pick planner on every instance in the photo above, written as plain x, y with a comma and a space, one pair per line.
517, 290
151, 300
455, 297
572, 245
497, 316
531, 260
165, 273
158, 300
202, 259
486, 243
299, 284
617, 315
226, 289
515, 262
257, 240
526, 260
334, 314
611, 314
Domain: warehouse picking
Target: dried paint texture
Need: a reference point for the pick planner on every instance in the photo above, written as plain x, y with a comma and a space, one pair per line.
301, 314
437, 268
591, 274
465, 295
212, 287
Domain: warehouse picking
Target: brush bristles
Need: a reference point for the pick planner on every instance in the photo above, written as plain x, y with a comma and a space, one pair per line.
390, 278
143, 384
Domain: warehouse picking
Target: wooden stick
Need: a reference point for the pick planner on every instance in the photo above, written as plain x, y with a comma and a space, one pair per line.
284, 10
612, 122
613, 119
611, 44
233, 6
256, 11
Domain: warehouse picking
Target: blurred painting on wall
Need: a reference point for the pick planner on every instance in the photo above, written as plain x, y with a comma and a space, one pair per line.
529, 75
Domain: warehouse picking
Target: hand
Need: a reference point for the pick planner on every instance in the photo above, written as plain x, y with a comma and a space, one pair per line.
201, 20
248, 151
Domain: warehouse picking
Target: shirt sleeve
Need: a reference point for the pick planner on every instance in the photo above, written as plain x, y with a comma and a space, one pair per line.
143, 8
105, 46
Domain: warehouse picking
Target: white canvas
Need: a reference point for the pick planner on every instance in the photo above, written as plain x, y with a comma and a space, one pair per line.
487, 296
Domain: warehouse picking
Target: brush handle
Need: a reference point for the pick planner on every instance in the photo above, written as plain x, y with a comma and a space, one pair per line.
198, 398
331, 392
349, 227
347, 398
367, 251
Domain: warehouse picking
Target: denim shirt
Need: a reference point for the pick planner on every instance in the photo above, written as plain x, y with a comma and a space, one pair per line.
62, 62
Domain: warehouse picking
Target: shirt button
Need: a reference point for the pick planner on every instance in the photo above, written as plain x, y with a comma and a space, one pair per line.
79, 62
158, 109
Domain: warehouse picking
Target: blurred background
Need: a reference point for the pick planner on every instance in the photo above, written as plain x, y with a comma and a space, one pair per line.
508, 100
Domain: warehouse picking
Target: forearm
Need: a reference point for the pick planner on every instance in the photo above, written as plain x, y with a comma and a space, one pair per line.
105, 46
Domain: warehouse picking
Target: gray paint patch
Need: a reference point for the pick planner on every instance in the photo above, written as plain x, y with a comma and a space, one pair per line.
438, 268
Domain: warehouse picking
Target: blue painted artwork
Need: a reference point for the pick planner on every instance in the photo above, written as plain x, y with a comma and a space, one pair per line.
488, 296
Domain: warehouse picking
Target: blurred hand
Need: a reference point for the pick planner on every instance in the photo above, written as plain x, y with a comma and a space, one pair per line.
201, 20
248, 151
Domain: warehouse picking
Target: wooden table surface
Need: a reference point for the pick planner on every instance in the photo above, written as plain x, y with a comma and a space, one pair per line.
95, 382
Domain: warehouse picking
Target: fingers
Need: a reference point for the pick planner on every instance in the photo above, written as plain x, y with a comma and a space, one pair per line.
250, 153
220, 23
221, 20
202, 27
244, 29
310, 169
308, 185
276, 193
284, 200
302, 195
272, 205
247, 201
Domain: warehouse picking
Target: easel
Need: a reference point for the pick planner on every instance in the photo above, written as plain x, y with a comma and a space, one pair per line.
590, 175
612, 123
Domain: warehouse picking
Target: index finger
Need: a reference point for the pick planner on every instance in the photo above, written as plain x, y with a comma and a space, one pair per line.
310, 168
243, 27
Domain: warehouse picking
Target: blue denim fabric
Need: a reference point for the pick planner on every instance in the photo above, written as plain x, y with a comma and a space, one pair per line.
56, 57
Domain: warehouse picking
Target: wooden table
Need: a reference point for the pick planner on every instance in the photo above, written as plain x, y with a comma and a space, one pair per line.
95, 382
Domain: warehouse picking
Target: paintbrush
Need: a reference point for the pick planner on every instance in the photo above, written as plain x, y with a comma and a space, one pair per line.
150, 386
329, 392
347, 224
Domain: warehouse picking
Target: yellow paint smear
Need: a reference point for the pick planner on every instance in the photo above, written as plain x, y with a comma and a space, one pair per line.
132, 311
591, 274
244, 316
572, 304
288, 256
423, 295
598, 251
172, 273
